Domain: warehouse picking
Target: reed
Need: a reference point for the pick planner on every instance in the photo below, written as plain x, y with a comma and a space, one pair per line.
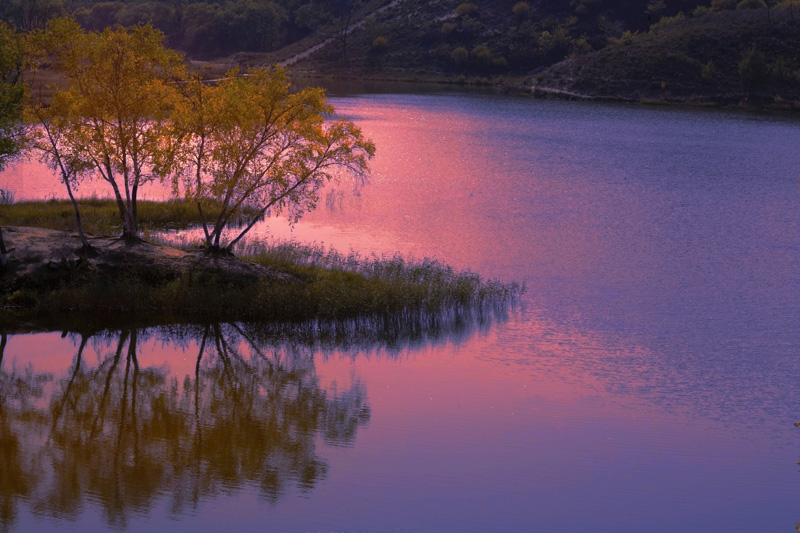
380, 283
323, 285
6, 197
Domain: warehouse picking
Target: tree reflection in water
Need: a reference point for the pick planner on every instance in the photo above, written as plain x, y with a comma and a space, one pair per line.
116, 435
18, 471
121, 435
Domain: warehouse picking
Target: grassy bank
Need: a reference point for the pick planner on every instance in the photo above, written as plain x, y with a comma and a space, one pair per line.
101, 216
286, 282
350, 285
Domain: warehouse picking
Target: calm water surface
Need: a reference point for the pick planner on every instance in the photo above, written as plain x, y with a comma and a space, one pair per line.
648, 381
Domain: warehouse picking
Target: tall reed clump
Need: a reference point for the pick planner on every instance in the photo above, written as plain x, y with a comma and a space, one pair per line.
6, 197
351, 285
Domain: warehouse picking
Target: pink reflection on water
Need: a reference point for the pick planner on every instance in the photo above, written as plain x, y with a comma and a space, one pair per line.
30, 180
518, 422
625, 389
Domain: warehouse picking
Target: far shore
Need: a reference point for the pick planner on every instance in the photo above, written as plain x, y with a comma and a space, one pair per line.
344, 82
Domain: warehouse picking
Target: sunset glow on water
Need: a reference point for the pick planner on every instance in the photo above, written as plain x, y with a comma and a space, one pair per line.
646, 382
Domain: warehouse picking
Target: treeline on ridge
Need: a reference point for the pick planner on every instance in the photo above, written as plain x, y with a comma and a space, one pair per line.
726, 50
201, 28
524, 33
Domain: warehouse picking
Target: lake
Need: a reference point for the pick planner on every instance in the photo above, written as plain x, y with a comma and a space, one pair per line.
646, 382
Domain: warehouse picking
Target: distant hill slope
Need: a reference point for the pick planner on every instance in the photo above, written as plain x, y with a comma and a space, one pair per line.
606, 50
727, 58
728, 52
481, 37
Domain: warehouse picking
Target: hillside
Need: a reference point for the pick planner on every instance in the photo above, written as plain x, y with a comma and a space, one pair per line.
450, 37
729, 52
728, 58
711, 57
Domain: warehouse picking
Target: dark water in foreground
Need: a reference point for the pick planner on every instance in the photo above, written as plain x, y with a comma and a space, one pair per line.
648, 382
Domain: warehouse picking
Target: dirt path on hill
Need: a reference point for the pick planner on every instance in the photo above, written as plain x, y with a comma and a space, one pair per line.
357, 25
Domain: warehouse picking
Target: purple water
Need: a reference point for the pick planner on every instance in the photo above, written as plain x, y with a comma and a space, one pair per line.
647, 383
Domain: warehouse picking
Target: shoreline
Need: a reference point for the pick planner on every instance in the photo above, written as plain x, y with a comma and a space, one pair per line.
522, 88
50, 281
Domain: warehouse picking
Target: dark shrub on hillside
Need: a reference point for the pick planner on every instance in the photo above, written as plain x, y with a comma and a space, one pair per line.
751, 4
467, 10
753, 67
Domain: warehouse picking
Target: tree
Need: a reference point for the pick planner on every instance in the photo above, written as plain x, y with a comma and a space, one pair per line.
342, 18
249, 141
11, 92
751, 4
29, 15
252, 414
203, 28
261, 24
47, 131
459, 55
467, 9
114, 110
522, 10
48, 139
753, 68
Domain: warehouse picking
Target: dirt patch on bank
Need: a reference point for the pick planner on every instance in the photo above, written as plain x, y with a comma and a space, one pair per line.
40, 258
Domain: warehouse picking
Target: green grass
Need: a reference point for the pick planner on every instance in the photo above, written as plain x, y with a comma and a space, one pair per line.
327, 286
349, 284
101, 216
323, 284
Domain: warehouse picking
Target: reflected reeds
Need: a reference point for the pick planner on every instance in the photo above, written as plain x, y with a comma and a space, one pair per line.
387, 334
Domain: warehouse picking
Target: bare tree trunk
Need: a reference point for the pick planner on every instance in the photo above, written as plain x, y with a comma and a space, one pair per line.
65, 175
198, 425
133, 229
129, 232
3, 341
248, 228
205, 224
222, 221
344, 30
217, 233
60, 407
3, 250
134, 195
99, 416
78, 220
261, 213
128, 229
